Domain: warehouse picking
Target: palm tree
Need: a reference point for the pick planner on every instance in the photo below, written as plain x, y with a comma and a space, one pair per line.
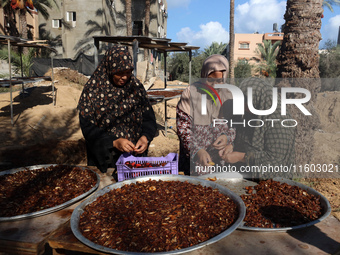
298, 58
146, 30
329, 3
128, 21
214, 48
231, 39
40, 5
268, 52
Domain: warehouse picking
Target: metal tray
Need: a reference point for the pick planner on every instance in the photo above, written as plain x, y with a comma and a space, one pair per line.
79, 210
52, 209
237, 185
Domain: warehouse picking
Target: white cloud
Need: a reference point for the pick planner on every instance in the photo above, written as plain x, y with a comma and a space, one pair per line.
332, 29
259, 16
209, 33
178, 3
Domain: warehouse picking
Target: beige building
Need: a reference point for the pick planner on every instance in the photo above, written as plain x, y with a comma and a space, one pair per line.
246, 45
77, 21
32, 23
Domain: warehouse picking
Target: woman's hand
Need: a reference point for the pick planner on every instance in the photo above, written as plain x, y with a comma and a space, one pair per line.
224, 151
141, 145
220, 142
233, 157
203, 157
123, 145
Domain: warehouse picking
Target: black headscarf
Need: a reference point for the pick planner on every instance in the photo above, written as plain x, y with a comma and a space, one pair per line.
116, 109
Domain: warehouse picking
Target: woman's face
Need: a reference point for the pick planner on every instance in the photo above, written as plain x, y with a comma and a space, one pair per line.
215, 77
121, 78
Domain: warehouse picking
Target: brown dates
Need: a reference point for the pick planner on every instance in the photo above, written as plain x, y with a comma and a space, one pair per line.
278, 205
35, 190
156, 216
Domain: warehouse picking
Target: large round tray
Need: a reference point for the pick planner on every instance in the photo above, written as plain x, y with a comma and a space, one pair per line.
52, 209
237, 184
79, 210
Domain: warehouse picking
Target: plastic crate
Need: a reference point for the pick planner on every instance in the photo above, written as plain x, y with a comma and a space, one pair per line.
124, 172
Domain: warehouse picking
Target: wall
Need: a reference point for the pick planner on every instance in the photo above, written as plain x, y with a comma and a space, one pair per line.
248, 54
105, 17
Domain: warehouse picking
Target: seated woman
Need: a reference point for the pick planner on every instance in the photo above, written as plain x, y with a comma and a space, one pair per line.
199, 140
114, 111
271, 144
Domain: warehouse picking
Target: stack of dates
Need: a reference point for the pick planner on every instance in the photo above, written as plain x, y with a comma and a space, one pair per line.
157, 216
272, 204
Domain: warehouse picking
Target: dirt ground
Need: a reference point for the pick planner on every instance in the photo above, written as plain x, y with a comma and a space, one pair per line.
44, 133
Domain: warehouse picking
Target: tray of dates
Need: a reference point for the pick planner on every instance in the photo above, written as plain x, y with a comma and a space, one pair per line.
276, 204
38, 190
162, 214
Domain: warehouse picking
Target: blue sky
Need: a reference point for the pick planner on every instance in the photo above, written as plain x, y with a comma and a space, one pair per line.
201, 22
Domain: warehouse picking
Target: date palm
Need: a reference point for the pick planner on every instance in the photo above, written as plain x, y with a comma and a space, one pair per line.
40, 5
299, 58
268, 52
214, 48
329, 4
147, 24
231, 40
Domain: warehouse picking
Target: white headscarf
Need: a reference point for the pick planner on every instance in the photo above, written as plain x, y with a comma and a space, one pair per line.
214, 63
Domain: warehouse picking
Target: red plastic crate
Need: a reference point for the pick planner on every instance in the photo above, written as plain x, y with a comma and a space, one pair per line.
124, 172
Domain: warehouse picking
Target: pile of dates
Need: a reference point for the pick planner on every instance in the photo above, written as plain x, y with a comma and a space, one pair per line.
272, 204
30, 191
157, 216
132, 164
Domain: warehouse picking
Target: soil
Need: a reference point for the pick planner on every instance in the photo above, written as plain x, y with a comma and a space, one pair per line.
44, 133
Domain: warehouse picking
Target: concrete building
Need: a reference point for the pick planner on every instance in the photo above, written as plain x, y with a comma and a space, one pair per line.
32, 23
77, 21
246, 45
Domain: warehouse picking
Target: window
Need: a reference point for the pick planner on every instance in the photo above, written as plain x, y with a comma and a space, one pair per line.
71, 16
56, 23
137, 28
244, 45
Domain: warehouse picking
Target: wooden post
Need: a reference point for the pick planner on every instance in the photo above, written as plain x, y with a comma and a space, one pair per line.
53, 92
10, 78
165, 78
190, 57
96, 50
135, 56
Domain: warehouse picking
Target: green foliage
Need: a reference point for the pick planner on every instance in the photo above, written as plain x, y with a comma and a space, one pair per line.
268, 53
179, 66
329, 66
214, 48
329, 4
16, 59
179, 62
242, 70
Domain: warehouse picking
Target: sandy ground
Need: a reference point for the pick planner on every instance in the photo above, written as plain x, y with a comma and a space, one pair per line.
44, 133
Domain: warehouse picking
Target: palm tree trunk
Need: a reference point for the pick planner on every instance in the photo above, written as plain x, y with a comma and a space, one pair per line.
298, 58
23, 23
128, 21
231, 40
146, 31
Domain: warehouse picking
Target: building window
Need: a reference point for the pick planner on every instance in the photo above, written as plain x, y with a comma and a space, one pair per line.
56, 23
244, 45
71, 16
137, 28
